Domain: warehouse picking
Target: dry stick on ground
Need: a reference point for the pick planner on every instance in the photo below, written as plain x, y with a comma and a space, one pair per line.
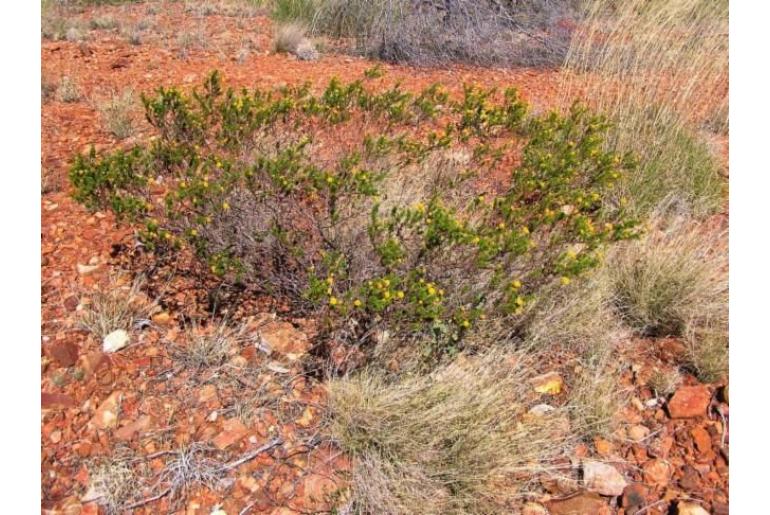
229, 466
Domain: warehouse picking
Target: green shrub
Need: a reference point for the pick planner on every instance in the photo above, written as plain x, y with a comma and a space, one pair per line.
368, 208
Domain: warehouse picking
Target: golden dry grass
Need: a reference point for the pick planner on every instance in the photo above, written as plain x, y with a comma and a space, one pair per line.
446, 442
659, 70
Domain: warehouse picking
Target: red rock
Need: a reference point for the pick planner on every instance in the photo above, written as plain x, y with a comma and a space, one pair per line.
234, 431
657, 473
106, 415
638, 433
602, 478
138, 426
64, 353
603, 447
56, 401
689, 402
208, 396
93, 361
702, 439
283, 338
661, 446
581, 504
635, 496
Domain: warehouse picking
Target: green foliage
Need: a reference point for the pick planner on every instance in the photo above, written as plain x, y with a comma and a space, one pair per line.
369, 208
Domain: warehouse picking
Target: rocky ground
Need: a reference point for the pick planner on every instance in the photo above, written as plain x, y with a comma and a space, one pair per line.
248, 422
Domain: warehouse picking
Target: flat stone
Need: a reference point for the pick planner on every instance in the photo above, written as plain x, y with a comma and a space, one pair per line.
56, 401
581, 504
635, 496
603, 479
283, 338
548, 383
690, 508
689, 402
638, 432
657, 473
128, 431
234, 431
702, 439
64, 353
115, 341
106, 415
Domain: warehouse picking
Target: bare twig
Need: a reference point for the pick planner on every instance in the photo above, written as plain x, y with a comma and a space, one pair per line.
275, 442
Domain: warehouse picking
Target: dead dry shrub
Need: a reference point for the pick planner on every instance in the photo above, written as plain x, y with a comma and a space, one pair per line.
120, 306
664, 382
112, 483
117, 113
207, 347
68, 90
455, 441
486, 32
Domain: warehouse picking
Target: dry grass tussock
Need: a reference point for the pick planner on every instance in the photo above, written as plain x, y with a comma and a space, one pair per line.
288, 36
121, 306
207, 348
68, 90
660, 71
117, 113
577, 318
596, 397
455, 441
674, 282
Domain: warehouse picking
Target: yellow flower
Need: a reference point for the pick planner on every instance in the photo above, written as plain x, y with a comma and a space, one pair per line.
565, 280
519, 301
225, 206
431, 290
466, 324
525, 230
400, 294
420, 207
329, 280
386, 295
571, 254
333, 301
194, 232
330, 179
501, 225
516, 284
357, 303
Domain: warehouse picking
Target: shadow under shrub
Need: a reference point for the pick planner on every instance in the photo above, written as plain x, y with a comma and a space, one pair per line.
370, 210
